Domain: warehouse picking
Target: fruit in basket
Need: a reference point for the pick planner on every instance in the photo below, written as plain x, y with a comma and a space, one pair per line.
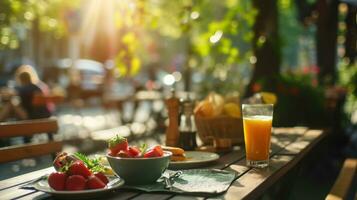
210, 107
215, 105
204, 109
226, 124
217, 101
232, 109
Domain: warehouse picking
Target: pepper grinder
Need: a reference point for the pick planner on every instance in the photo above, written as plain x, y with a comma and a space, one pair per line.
172, 131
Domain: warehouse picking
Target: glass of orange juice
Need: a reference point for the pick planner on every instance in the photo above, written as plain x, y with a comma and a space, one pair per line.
257, 125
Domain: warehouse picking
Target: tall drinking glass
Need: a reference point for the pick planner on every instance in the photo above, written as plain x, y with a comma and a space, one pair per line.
257, 123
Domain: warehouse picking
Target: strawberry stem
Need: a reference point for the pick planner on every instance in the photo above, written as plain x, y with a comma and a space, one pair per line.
116, 140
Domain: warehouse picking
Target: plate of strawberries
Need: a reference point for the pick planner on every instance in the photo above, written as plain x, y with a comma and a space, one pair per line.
78, 176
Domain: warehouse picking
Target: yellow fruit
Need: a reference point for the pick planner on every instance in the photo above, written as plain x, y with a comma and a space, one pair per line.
232, 98
268, 97
232, 109
108, 171
217, 102
204, 109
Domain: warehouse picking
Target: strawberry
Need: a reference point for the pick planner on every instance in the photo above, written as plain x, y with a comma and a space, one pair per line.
102, 177
58, 162
94, 182
110, 153
75, 182
156, 151
117, 144
123, 154
79, 168
133, 151
57, 180
62, 159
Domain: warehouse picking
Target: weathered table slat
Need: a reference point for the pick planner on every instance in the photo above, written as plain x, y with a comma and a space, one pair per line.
19, 193
228, 159
186, 198
153, 196
10, 188
23, 178
114, 196
15, 192
289, 146
309, 138
123, 195
245, 184
35, 195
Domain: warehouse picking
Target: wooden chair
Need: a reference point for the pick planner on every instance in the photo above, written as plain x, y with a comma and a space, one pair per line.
29, 128
343, 186
39, 99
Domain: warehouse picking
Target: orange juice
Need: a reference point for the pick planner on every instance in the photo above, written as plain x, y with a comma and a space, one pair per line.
257, 131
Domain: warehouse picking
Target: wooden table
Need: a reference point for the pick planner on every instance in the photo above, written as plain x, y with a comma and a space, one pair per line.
289, 147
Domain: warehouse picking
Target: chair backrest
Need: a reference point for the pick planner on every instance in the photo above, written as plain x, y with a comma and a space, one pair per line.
29, 128
344, 182
40, 99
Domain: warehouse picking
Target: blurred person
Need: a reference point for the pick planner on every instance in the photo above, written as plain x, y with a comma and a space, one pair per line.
29, 84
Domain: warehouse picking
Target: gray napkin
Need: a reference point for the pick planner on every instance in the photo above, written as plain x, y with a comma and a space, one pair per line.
193, 181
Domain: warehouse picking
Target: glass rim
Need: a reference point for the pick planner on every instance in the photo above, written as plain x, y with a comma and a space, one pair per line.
258, 105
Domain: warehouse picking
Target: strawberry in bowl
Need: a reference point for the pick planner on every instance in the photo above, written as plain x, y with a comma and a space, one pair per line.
137, 165
117, 144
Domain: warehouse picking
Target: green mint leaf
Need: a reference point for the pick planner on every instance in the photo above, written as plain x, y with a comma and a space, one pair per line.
83, 158
93, 164
143, 148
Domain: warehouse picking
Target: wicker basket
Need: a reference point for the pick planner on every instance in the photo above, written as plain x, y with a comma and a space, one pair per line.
220, 127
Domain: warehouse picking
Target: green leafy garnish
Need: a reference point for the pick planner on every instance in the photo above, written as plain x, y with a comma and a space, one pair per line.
92, 163
143, 148
65, 167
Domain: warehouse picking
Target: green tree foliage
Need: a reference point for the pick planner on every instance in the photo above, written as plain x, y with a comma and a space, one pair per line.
290, 30
216, 36
213, 35
348, 79
223, 47
18, 16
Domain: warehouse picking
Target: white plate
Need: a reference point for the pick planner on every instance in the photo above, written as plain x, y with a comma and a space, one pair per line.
43, 186
194, 159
